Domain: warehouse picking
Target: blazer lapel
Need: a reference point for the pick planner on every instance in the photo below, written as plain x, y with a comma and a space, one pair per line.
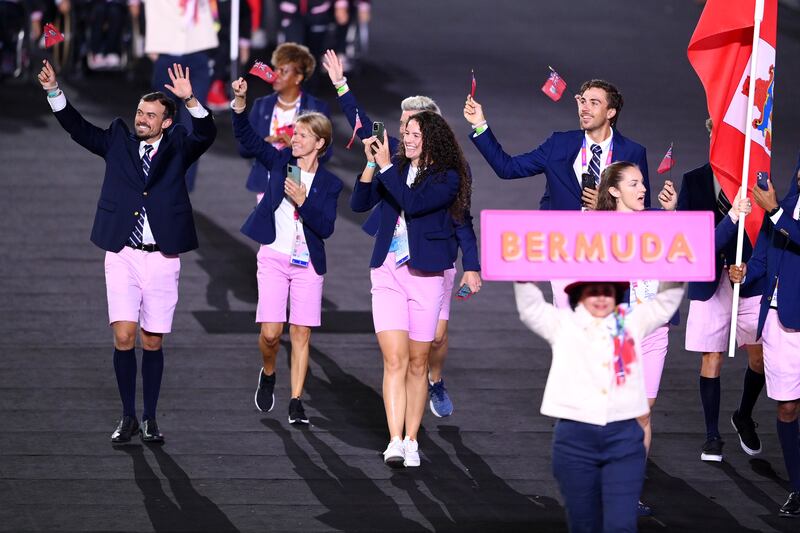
163, 154
573, 181
133, 151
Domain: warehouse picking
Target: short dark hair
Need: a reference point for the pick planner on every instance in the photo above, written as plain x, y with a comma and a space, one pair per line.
163, 99
296, 55
615, 100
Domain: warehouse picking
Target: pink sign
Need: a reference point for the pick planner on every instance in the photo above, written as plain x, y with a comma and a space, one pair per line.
597, 245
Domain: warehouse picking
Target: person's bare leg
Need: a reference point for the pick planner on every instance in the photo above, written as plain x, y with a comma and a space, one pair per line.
394, 346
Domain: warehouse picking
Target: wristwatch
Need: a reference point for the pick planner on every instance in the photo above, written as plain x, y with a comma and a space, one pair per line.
774, 211
186, 100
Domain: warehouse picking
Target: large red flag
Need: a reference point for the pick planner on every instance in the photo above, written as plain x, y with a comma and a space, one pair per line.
720, 51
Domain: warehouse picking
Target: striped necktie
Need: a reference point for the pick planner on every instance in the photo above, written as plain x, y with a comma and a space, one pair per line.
138, 231
594, 164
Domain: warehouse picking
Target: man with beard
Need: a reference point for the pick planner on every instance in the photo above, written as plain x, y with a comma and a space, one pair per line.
570, 160
143, 221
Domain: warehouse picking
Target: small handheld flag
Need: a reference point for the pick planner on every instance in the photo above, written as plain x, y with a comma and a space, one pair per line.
263, 71
474, 85
51, 35
666, 163
554, 86
355, 129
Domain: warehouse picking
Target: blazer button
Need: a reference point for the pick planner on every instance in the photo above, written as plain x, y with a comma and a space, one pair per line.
603, 391
136, 213
144, 193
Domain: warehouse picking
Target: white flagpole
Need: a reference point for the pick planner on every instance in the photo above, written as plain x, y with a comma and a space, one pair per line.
235, 38
748, 128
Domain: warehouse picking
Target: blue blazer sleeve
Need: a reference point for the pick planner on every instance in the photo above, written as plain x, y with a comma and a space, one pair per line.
468, 242
723, 233
436, 192
757, 265
349, 106
322, 221
204, 131
365, 195
252, 143
506, 166
254, 117
94, 139
788, 225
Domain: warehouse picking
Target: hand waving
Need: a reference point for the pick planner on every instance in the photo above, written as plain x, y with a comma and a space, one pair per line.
47, 77
333, 65
181, 86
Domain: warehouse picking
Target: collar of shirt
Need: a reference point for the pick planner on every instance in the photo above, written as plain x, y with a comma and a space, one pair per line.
155, 146
603, 144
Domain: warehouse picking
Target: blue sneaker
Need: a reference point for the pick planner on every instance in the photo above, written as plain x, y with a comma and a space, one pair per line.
440, 402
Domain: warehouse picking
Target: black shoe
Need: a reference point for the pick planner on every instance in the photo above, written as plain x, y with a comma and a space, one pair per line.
127, 426
149, 432
746, 429
792, 505
265, 392
712, 450
297, 415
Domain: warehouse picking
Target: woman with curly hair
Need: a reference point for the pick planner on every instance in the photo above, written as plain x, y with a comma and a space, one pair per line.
418, 192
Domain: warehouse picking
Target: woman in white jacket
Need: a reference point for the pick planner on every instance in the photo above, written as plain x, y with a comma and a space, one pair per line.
596, 390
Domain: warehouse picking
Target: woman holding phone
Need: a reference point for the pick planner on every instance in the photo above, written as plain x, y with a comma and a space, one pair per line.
290, 222
419, 192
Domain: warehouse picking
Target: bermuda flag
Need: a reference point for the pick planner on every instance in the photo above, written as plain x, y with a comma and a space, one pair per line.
720, 51
263, 71
51, 35
666, 163
357, 126
554, 86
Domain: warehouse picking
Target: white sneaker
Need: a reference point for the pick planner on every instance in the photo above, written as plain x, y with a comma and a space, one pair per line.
112, 61
411, 448
394, 454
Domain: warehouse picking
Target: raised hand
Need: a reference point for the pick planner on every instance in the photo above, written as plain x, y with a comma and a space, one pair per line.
239, 88
332, 64
473, 111
667, 197
382, 155
740, 206
181, 86
47, 77
767, 200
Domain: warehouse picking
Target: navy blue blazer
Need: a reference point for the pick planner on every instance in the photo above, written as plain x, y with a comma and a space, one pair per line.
555, 157
260, 117
697, 194
464, 231
431, 235
124, 191
777, 255
318, 212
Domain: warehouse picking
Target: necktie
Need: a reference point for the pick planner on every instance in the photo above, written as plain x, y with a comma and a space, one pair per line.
594, 164
136, 237
723, 204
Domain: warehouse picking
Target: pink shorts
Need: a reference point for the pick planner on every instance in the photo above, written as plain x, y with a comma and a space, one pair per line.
277, 280
142, 287
709, 322
449, 282
406, 299
781, 359
654, 351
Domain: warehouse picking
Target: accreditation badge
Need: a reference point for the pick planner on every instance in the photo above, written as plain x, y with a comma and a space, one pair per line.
300, 255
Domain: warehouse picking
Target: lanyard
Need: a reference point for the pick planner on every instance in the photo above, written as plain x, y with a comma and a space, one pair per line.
583, 154
273, 126
620, 341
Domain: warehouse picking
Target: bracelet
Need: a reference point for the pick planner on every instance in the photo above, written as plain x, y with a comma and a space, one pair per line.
371, 164
341, 90
480, 129
478, 125
188, 98
54, 93
51, 90
341, 82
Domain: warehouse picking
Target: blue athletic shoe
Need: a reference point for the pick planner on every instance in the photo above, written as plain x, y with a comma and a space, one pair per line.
440, 402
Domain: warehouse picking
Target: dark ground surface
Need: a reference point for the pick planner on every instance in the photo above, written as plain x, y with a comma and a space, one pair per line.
225, 466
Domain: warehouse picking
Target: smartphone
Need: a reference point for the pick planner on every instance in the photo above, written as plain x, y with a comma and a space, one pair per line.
377, 130
464, 292
762, 180
293, 173
587, 181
